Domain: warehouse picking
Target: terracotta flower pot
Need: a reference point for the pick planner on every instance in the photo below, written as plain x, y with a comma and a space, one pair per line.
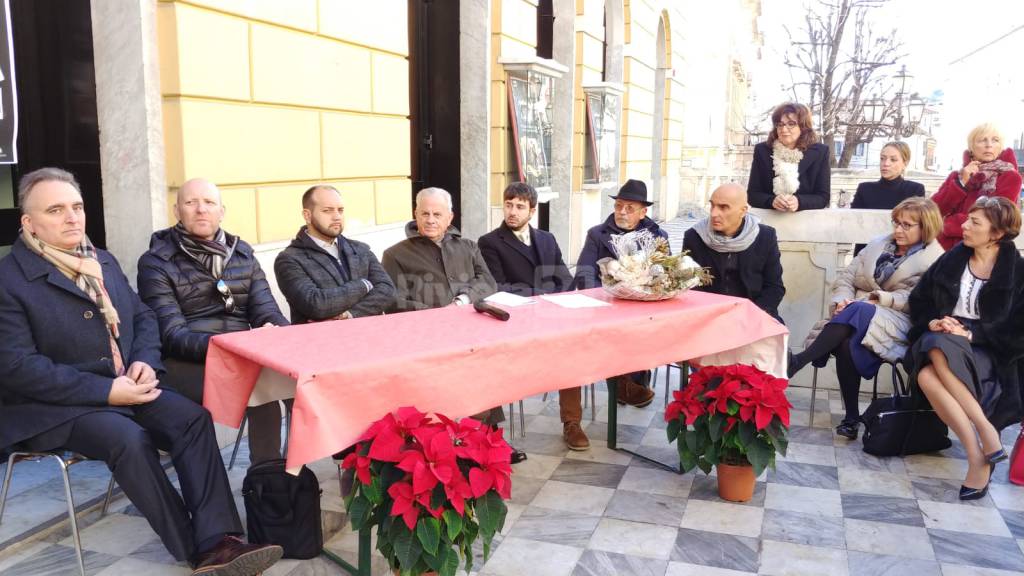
736, 483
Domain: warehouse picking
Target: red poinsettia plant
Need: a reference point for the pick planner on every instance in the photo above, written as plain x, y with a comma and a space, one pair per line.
734, 414
431, 486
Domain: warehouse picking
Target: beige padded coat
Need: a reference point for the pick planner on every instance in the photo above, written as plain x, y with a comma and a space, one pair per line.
887, 333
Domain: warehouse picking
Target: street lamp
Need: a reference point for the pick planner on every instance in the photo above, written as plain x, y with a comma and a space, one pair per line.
913, 110
873, 110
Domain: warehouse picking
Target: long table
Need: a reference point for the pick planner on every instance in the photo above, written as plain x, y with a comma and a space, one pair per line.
346, 374
452, 360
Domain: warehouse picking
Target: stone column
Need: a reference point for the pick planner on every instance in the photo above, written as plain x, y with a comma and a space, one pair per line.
614, 72
474, 119
563, 52
131, 126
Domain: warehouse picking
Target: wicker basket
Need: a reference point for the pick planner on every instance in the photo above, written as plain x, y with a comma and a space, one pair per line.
626, 292
621, 290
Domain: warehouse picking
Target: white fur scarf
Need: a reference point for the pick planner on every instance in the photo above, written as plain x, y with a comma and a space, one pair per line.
785, 162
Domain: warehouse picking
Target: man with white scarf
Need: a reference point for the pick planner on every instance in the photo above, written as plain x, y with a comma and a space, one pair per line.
742, 253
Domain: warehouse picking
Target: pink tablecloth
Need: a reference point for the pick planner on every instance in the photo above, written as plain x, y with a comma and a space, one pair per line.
458, 362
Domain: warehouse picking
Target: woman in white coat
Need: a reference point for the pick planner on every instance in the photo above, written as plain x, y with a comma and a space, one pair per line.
869, 316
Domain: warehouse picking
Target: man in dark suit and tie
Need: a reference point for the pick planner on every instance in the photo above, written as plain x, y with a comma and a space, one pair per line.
528, 262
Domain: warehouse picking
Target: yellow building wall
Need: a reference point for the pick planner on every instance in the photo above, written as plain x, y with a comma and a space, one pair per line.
513, 33
642, 20
266, 97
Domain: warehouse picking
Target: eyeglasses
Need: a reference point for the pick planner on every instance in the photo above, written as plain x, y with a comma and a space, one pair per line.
789, 125
627, 207
905, 226
225, 293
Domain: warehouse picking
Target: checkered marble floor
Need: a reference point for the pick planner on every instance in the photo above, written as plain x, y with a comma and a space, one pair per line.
828, 508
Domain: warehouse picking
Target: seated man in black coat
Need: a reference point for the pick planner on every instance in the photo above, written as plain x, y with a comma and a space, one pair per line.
630, 214
202, 281
742, 253
325, 276
79, 359
527, 261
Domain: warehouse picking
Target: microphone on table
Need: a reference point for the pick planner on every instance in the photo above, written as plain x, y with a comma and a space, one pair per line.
492, 311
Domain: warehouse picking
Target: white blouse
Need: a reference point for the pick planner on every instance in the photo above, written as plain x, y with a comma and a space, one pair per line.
967, 304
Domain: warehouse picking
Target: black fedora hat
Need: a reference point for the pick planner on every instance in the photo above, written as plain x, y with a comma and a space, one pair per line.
633, 191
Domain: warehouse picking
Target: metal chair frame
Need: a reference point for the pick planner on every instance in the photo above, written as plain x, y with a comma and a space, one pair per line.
65, 460
241, 432
814, 388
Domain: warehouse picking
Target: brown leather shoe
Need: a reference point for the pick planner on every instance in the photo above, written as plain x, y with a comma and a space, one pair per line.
574, 436
233, 557
634, 394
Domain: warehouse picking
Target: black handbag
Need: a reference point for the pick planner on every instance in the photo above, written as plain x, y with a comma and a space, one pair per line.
283, 509
902, 424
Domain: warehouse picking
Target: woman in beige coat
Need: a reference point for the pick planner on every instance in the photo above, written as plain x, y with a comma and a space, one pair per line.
869, 316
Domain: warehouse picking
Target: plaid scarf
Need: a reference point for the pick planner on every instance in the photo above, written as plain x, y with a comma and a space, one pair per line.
888, 261
211, 254
81, 267
984, 180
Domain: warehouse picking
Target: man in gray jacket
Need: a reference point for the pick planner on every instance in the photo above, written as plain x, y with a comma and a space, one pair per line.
435, 266
325, 276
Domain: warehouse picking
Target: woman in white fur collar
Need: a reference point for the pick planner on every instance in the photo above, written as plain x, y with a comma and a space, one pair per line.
791, 170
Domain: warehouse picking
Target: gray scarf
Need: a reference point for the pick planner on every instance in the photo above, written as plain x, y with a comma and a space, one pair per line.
721, 242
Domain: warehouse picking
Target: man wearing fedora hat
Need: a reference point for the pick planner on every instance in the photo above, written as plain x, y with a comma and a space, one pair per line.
629, 214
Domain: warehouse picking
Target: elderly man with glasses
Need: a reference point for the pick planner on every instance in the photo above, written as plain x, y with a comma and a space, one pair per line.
630, 214
202, 281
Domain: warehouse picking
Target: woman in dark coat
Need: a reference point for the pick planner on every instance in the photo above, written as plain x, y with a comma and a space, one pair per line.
967, 316
790, 170
891, 188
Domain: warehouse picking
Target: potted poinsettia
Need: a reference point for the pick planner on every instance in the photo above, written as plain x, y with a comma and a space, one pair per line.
734, 417
432, 487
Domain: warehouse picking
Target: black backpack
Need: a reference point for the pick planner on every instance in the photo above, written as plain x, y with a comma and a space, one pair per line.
283, 509
902, 424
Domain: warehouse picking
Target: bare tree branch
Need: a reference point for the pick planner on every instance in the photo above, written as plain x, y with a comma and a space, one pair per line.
837, 62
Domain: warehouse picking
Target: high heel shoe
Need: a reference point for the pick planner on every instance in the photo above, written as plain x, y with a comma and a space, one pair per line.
967, 493
997, 457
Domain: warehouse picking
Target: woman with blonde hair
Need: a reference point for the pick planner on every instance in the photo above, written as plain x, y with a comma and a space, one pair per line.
989, 170
967, 314
891, 188
791, 171
869, 318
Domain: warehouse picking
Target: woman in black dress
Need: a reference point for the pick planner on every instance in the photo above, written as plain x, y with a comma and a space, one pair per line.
791, 170
967, 314
891, 188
